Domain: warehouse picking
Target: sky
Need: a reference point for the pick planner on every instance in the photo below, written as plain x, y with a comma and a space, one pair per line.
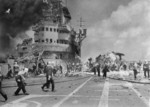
114, 25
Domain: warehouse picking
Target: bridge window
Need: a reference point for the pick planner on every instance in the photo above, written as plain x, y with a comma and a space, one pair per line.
51, 40
62, 41
54, 30
57, 41
46, 28
51, 29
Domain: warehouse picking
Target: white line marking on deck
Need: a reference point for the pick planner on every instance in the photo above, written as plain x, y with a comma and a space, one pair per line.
104, 98
26, 98
37, 103
139, 95
67, 97
83, 96
16, 102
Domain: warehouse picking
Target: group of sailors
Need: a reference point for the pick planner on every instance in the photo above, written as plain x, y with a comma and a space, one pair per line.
21, 81
73, 67
136, 68
145, 67
15, 69
99, 69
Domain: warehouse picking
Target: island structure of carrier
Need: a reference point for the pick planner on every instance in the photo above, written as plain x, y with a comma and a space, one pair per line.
54, 36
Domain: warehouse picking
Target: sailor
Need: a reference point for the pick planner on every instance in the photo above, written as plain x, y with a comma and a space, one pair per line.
94, 68
49, 69
146, 69
98, 69
15, 68
135, 72
20, 79
105, 70
1, 91
9, 74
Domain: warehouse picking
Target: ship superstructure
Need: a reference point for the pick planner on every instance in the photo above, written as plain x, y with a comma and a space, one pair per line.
54, 38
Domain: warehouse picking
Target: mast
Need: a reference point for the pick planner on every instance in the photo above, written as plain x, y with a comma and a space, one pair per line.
60, 12
82, 34
81, 21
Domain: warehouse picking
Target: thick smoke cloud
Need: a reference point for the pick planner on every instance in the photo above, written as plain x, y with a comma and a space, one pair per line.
17, 16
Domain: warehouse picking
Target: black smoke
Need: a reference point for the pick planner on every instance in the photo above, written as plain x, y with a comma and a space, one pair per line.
66, 13
17, 16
